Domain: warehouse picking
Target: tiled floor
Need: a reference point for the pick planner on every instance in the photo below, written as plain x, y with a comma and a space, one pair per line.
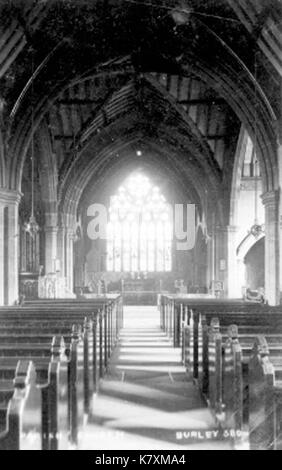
147, 401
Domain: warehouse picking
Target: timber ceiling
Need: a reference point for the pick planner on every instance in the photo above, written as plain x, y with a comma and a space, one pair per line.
93, 69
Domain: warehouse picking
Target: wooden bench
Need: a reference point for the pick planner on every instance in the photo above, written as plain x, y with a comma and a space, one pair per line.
251, 384
107, 323
20, 410
96, 347
192, 331
71, 368
90, 333
230, 385
265, 398
176, 309
52, 381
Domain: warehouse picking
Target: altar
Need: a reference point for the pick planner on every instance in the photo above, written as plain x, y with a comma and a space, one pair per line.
139, 292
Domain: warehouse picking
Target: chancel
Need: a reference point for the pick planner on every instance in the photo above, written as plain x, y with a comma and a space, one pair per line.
140, 225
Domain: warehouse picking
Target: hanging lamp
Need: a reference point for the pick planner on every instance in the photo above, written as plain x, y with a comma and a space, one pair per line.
256, 229
32, 226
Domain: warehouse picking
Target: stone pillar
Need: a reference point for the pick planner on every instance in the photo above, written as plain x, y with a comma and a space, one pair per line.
221, 257
61, 249
50, 249
211, 260
2, 257
279, 145
272, 291
69, 258
50, 230
9, 246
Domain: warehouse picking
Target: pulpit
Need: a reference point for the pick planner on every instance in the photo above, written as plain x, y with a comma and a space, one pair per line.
28, 285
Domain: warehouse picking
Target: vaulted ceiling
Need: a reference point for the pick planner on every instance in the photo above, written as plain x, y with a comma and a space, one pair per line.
101, 78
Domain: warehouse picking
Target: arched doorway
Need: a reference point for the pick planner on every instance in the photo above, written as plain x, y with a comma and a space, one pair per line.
254, 265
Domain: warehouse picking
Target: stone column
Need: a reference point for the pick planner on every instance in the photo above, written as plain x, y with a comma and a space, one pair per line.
211, 261
221, 257
2, 258
50, 249
9, 246
272, 291
69, 258
50, 230
61, 249
279, 146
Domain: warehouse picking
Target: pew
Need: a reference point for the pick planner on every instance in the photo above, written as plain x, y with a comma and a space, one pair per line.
20, 410
265, 398
90, 333
231, 370
232, 387
252, 392
52, 381
178, 309
98, 341
61, 382
192, 332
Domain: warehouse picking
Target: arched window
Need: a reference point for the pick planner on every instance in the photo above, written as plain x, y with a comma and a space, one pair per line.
139, 231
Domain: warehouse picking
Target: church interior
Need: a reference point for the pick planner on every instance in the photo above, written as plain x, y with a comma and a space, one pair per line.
140, 224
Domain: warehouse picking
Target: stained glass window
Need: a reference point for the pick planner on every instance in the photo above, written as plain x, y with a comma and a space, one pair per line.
139, 231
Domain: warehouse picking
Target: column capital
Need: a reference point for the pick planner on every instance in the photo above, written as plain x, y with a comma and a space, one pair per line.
270, 198
68, 220
70, 232
9, 196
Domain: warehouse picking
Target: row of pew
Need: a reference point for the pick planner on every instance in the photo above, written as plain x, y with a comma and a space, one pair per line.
233, 349
53, 355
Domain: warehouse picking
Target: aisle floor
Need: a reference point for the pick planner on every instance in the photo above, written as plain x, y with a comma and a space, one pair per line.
146, 400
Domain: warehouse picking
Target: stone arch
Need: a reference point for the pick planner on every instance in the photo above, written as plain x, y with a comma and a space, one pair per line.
221, 77
245, 247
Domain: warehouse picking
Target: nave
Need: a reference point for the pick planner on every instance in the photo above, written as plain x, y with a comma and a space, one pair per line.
147, 400
140, 164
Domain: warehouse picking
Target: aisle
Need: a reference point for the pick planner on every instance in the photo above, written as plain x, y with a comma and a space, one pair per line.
146, 401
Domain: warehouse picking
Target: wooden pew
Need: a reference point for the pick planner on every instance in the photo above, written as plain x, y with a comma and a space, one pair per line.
101, 340
72, 371
176, 309
20, 410
106, 324
52, 381
232, 388
265, 398
109, 322
92, 343
194, 330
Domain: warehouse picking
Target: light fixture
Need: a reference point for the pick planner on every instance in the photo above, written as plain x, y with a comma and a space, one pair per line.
256, 229
32, 226
181, 14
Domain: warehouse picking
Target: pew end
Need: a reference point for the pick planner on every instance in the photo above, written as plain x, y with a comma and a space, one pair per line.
23, 414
